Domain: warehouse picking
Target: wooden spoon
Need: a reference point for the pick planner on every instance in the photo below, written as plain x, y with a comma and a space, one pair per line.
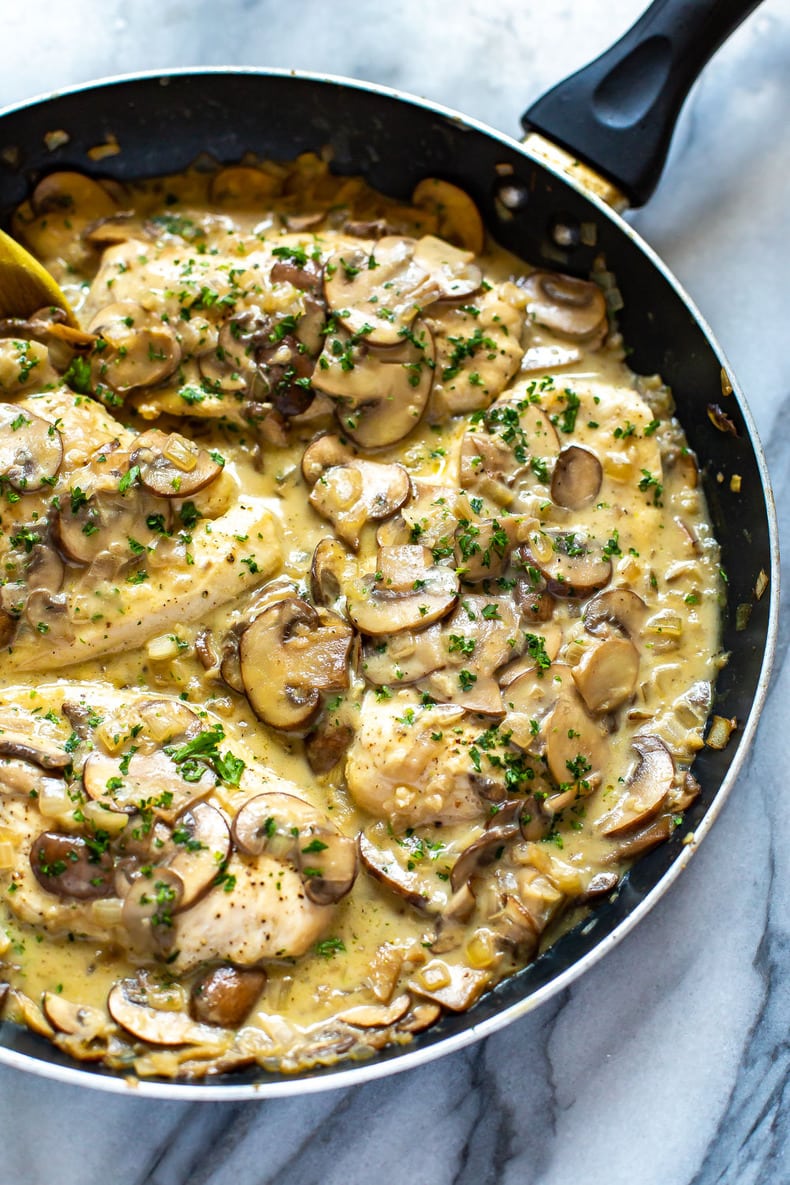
25, 285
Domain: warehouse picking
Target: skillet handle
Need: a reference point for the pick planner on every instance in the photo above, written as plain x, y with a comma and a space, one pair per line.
618, 113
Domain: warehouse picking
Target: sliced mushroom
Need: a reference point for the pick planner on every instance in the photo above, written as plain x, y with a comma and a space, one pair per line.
200, 845
573, 308
453, 986
405, 657
151, 900
376, 289
284, 372
635, 843
34, 749
380, 394
127, 1005
407, 591
484, 849
457, 215
78, 1020
83, 530
171, 466
226, 995
606, 674
577, 477
376, 1016
330, 571
508, 452
572, 564
150, 780
575, 745
387, 865
71, 193
327, 744
482, 549
71, 866
31, 449
617, 608
421, 1017
478, 350
350, 495
646, 790
289, 828
231, 365
290, 655
141, 349
44, 569
324, 453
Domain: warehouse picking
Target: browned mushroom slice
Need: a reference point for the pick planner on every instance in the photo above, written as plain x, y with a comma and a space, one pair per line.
327, 862
482, 548
380, 394
8, 627
141, 349
388, 863
330, 570
577, 477
290, 655
478, 350
405, 657
376, 289
230, 366
200, 844
84, 529
407, 591
34, 749
137, 780
112, 228
488, 847
327, 743
454, 987
573, 308
508, 451
78, 1020
71, 193
617, 608
420, 1017
376, 1016
289, 828
646, 790
606, 674
635, 843
572, 564
358, 492
324, 453
127, 1004
70, 866
226, 995
171, 466
150, 902
457, 215
31, 449
575, 745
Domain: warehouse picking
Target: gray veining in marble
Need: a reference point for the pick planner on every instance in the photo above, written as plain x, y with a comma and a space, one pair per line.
668, 1063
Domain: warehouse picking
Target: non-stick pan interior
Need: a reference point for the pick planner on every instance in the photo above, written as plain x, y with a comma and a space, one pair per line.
162, 125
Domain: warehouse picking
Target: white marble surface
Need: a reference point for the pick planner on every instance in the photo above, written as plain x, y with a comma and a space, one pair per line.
667, 1064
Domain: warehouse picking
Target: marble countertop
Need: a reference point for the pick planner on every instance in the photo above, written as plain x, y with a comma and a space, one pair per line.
668, 1063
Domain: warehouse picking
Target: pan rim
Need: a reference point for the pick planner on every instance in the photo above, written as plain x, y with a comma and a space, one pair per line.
409, 1058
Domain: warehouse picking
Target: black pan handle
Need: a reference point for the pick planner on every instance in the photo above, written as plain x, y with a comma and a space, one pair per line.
618, 113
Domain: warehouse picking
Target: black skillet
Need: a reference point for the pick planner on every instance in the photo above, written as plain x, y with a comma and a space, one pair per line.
617, 116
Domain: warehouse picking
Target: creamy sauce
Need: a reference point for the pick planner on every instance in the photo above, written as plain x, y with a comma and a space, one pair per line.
548, 565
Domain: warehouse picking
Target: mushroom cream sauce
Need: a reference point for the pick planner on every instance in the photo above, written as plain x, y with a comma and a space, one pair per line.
359, 612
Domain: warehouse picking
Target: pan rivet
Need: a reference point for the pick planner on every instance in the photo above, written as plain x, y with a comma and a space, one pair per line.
512, 195
565, 232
